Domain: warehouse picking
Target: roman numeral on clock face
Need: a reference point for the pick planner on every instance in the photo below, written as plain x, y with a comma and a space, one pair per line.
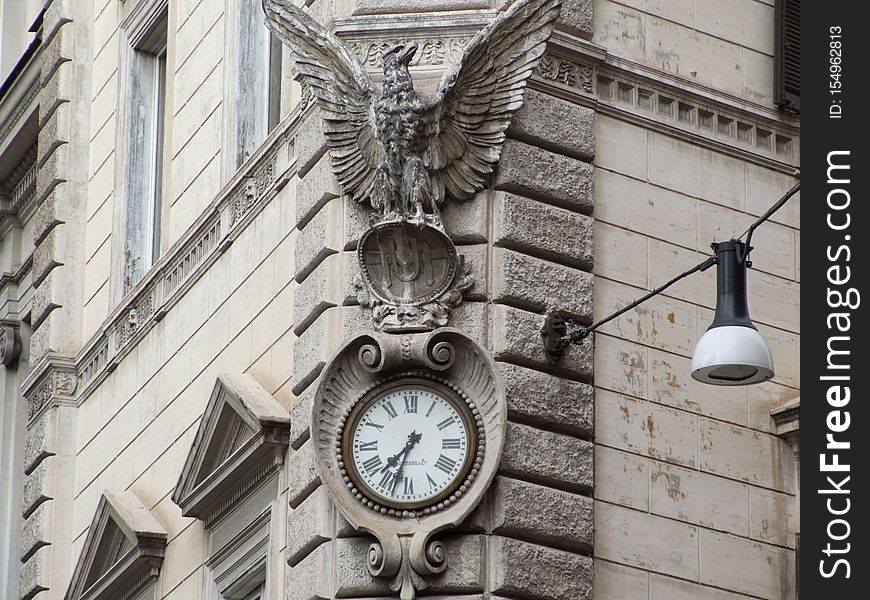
391, 411
445, 463
387, 479
372, 464
446, 423
410, 404
370, 446
450, 443
432, 484
409, 486
375, 425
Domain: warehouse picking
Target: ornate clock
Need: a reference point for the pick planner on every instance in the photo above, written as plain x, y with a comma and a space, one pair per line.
410, 445
408, 431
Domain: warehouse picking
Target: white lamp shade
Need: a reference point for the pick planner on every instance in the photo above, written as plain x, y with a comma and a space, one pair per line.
732, 355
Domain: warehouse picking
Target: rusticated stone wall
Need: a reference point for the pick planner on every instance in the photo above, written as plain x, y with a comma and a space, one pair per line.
529, 240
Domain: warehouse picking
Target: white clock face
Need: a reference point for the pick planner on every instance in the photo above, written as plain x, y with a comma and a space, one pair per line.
410, 445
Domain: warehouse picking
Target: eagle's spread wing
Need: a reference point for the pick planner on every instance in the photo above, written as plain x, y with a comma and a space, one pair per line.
477, 98
343, 90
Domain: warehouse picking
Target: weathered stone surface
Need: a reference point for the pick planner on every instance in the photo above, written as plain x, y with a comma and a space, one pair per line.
621, 478
323, 11
33, 532
44, 301
546, 176
476, 259
311, 578
34, 575
618, 582
576, 17
311, 351
352, 574
765, 571
317, 240
37, 488
300, 416
310, 143
523, 570
539, 285
319, 291
368, 7
315, 189
517, 339
555, 124
542, 514
309, 525
646, 541
546, 231
356, 222
37, 445
467, 222
302, 477
553, 402
47, 255
547, 458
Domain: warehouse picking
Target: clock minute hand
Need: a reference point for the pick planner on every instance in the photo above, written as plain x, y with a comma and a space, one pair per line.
412, 441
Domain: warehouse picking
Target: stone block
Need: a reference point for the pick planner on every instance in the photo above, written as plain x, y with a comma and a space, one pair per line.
643, 208
765, 571
302, 475
618, 582
555, 124
547, 458
34, 532
48, 255
540, 286
314, 190
543, 175
467, 222
625, 149
300, 416
477, 259
621, 478
548, 401
671, 383
517, 339
646, 428
34, 575
372, 7
772, 517
311, 579
642, 540
38, 443
49, 214
319, 291
576, 17
318, 239
699, 498
45, 300
542, 230
523, 570
621, 255
466, 571
543, 515
352, 574
356, 222
310, 143
621, 366
313, 348
38, 487
746, 455
323, 11
310, 525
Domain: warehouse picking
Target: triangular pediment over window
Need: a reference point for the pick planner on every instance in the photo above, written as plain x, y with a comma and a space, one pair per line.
240, 443
123, 551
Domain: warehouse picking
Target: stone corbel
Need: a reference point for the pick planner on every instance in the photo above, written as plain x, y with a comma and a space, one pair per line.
10, 343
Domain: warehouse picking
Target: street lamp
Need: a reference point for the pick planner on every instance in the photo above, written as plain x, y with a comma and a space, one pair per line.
731, 351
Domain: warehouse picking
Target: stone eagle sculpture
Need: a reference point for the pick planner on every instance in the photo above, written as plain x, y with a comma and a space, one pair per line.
398, 152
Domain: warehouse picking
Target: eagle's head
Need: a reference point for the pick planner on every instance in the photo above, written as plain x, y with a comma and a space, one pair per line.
400, 54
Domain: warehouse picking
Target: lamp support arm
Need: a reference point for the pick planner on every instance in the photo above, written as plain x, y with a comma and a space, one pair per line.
559, 330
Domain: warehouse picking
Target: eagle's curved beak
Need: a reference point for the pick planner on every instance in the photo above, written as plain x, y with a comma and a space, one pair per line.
407, 53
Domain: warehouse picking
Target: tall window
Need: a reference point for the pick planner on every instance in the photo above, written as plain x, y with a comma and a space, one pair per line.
146, 115
258, 97
787, 55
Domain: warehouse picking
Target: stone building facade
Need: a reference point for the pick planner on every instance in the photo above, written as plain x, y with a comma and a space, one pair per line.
176, 271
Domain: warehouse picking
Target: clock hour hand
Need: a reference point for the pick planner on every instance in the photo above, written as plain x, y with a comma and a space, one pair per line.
413, 439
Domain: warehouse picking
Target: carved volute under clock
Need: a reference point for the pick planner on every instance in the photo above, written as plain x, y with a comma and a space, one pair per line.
409, 421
